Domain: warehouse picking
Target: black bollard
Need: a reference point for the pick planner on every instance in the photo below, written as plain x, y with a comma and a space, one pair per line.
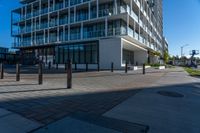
126, 67
40, 74
69, 75
49, 65
86, 68
17, 72
112, 67
57, 66
144, 69
75, 66
98, 67
66, 64
2, 71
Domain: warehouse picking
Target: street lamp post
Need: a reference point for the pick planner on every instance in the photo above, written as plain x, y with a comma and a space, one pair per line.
182, 49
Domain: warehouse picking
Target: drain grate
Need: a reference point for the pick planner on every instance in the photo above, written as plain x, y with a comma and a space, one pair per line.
170, 94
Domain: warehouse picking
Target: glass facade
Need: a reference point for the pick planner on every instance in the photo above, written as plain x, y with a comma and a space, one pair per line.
80, 53
128, 56
51, 20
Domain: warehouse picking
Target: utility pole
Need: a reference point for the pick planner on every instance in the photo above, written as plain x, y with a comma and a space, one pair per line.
182, 49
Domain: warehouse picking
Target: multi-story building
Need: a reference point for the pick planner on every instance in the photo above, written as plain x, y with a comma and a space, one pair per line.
4, 50
165, 44
89, 31
7, 56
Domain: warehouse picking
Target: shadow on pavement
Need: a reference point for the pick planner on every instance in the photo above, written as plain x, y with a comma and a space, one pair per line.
50, 108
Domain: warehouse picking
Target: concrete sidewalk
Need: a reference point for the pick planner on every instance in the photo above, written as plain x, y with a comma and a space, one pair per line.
170, 106
14, 123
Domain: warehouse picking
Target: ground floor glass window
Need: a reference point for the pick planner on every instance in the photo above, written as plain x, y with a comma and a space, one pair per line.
80, 53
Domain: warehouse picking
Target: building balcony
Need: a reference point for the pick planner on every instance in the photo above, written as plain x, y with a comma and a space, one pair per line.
94, 34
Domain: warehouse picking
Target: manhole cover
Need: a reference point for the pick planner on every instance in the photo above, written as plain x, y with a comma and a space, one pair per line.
170, 94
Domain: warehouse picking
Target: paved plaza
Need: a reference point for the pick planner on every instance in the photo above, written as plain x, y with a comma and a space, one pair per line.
101, 96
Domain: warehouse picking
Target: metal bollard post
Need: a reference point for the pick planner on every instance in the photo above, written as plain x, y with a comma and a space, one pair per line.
112, 67
98, 67
2, 71
75, 66
126, 67
69, 75
144, 69
86, 68
49, 65
57, 66
17, 72
66, 64
40, 74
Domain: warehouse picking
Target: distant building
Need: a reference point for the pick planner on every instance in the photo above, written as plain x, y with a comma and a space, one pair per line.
8, 57
4, 50
89, 31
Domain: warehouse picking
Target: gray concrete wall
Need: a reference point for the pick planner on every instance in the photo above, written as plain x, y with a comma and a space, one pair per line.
141, 57
110, 50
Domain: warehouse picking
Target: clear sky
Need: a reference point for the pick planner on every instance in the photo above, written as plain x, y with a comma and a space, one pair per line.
5, 16
181, 24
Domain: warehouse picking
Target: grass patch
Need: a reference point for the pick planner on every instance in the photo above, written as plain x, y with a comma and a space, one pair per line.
192, 72
153, 65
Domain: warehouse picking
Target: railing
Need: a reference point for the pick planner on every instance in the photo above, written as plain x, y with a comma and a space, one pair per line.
44, 10
58, 6
105, 12
75, 36
93, 34
117, 31
63, 21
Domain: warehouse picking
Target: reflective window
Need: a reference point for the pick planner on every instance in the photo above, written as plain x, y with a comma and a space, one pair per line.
78, 53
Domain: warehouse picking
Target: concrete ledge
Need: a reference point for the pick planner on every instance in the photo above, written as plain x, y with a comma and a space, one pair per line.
135, 68
147, 66
162, 67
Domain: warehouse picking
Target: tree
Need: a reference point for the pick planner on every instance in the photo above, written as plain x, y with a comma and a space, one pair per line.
166, 56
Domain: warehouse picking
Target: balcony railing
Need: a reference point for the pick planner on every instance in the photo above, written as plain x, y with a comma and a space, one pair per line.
93, 34
117, 31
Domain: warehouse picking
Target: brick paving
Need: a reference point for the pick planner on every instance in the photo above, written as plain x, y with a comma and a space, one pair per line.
92, 92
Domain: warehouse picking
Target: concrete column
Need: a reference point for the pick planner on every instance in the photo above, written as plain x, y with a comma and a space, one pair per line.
134, 29
53, 4
69, 15
40, 7
63, 35
81, 30
89, 10
97, 5
64, 3
115, 7
25, 11
127, 26
106, 26
131, 7
139, 22
68, 32
35, 32
75, 14
48, 36
44, 37
48, 5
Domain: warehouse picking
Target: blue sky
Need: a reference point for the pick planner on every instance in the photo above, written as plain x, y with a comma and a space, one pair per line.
181, 23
